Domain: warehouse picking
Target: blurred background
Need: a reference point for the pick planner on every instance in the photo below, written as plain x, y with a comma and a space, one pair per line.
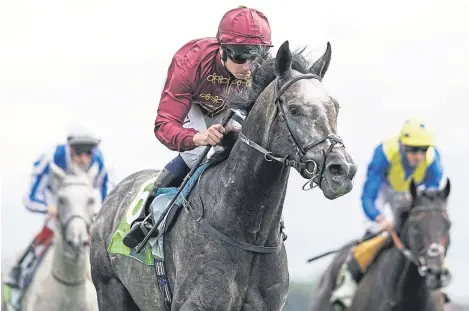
103, 64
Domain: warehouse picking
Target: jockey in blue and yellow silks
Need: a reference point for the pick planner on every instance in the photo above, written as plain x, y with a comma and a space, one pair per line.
395, 162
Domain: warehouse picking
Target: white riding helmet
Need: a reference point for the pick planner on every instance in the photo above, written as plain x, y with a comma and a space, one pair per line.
80, 135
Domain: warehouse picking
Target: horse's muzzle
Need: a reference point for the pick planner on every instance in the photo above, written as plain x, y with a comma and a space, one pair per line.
437, 277
76, 236
78, 246
337, 174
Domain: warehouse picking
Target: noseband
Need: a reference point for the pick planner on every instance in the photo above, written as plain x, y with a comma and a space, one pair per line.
65, 225
313, 168
432, 250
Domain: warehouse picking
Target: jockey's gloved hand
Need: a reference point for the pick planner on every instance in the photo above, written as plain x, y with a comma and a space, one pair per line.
212, 136
386, 224
52, 210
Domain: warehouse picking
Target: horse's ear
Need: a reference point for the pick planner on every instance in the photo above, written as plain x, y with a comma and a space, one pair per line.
57, 175
445, 192
320, 67
283, 61
413, 190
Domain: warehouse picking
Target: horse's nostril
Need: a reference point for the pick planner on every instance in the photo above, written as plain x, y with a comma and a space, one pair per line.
353, 171
336, 169
438, 272
434, 271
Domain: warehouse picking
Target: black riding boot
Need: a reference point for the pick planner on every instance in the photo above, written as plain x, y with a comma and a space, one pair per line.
13, 279
139, 229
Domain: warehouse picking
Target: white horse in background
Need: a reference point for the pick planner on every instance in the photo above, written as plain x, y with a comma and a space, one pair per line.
62, 280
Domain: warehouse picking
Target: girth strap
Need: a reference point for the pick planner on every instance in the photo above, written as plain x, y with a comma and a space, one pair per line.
163, 283
220, 235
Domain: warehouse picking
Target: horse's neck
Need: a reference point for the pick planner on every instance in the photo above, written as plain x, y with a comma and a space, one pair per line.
246, 195
407, 287
69, 270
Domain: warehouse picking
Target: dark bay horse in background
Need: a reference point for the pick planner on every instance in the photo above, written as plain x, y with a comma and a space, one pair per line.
291, 122
408, 275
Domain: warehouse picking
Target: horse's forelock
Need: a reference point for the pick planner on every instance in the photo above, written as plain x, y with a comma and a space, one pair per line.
81, 179
430, 198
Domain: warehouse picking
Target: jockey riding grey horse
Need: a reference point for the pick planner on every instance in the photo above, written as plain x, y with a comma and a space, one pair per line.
62, 280
224, 248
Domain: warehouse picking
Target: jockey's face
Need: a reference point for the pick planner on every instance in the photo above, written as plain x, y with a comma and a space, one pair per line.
238, 61
415, 155
240, 71
82, 158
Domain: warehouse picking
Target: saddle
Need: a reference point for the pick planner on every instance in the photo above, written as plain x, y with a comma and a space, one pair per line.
139, 227
387, 245
165, 183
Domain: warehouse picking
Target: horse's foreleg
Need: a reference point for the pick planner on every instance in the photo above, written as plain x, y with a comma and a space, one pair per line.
111, 293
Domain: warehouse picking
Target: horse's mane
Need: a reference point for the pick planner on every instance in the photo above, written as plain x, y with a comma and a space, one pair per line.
263, 73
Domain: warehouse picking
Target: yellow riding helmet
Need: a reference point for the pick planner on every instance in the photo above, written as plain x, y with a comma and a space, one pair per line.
415, 132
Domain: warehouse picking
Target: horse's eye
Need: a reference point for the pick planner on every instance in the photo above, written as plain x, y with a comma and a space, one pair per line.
294, 110
61, 200
90, 201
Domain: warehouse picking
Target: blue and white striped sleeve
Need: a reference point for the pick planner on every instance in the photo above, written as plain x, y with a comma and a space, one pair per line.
36, 198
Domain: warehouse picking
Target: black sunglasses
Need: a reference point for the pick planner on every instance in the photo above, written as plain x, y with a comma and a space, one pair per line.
415, 149
79, 150
240, 54
239, 58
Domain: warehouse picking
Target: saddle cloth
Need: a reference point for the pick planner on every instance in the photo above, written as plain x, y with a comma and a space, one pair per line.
154, 248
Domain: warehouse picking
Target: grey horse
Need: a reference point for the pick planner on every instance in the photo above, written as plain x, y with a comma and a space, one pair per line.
404, 276
291, 122
63, 279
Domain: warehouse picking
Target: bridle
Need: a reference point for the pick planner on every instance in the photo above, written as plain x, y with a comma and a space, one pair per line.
419, 259
63, 227
310, 166
313, 168
432, 250
64, 223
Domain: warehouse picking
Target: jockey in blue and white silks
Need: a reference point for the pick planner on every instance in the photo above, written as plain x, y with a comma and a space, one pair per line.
80, 152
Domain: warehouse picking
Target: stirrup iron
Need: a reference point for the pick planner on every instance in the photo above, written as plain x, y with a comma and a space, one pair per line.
137, 233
